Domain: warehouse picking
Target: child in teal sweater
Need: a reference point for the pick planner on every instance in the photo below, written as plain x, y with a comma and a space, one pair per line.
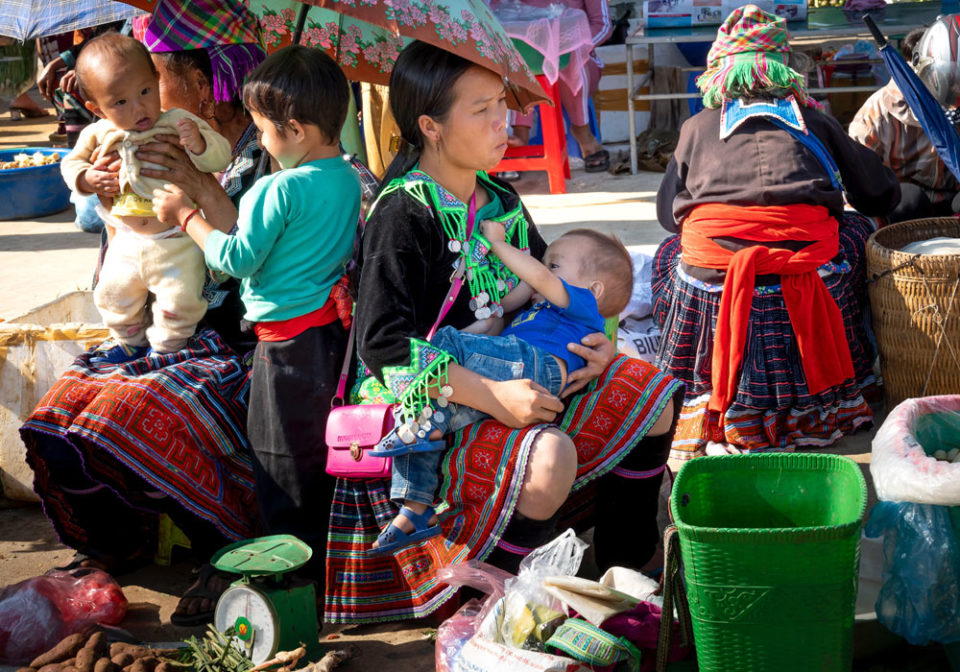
295, 234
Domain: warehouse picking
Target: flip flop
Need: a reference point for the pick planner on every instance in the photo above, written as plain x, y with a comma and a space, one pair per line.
393, 538
204, 591
597, 162
391, 445
108, 565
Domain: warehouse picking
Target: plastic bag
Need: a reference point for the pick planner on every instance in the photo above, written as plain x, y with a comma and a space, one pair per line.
902, 462
641, 300
920, 597
530, 612
454, 633
37, 613
639, 339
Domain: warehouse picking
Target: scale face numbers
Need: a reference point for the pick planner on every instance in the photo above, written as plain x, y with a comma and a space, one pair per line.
251, 614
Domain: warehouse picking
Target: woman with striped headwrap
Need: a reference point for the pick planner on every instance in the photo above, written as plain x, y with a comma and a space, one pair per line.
759, 294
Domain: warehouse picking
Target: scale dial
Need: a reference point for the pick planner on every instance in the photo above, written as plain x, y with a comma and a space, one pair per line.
251, 614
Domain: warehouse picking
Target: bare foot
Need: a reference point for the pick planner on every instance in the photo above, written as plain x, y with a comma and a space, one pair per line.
198, 602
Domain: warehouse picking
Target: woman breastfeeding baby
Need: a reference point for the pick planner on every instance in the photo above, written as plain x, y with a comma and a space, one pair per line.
491, 485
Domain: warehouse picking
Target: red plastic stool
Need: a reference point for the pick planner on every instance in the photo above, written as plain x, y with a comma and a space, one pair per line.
551, 156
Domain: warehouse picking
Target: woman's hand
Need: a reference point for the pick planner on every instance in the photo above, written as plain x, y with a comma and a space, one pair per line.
525, 403
47, 81
68, 83
171, 204
598, 351
167, 152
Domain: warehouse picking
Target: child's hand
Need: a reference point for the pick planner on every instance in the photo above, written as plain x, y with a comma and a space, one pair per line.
99, 182
190, 136
494, 231
171, 205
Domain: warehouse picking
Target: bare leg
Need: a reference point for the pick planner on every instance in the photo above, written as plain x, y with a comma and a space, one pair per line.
588, 144
551, 470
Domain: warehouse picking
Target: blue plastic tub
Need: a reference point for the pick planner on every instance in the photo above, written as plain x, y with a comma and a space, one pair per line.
26, 193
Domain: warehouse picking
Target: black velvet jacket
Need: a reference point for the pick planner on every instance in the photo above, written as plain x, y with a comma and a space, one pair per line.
760, 164
405, 269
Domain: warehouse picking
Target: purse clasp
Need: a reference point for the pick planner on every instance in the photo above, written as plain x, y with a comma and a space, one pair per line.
355, 451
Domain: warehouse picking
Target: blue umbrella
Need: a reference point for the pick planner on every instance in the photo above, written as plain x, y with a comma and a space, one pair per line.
26, 19
922, 103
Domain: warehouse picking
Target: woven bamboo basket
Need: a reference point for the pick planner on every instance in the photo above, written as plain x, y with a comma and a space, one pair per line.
916, 310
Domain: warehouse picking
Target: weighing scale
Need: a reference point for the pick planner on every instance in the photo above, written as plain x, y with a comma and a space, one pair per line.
266, 611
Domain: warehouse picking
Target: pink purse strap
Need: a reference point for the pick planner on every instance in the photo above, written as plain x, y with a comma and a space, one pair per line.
456, 282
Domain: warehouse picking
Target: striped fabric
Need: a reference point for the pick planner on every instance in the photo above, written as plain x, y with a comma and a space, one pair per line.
24, 20
173, 424
886, 125
749, 57
773, 409
199, 24
482, 474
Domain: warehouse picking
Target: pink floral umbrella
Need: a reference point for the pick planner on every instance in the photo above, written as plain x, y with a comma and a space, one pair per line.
365, 36
464, 27
366, 52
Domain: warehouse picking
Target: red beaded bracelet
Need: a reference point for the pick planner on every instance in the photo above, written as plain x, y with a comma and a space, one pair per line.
183, 227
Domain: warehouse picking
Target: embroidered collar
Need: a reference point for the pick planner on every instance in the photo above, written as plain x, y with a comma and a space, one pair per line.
735, 112
488, 278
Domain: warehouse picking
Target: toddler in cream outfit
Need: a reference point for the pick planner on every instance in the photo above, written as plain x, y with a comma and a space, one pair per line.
145, 256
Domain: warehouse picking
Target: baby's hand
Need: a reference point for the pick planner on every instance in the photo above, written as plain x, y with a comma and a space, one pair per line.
99, 182
190, 136
494, 231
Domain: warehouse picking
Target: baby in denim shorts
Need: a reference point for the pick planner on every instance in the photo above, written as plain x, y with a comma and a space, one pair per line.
585, 277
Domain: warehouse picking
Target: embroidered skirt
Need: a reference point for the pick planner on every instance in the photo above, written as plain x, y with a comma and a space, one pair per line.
481, 477
773, 410
158, 429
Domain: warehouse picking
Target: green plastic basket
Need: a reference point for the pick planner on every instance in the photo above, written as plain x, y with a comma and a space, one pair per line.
771, 550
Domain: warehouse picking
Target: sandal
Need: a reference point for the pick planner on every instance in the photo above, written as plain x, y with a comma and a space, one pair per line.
28, 113
201, 589
597, 162
107, 564
393, 538
392, 445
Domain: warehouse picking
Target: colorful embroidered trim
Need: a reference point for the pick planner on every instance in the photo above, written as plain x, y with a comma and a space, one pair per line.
411, 384
586, 642
488, 278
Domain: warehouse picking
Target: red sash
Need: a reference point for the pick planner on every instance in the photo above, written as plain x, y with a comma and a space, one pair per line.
814, 315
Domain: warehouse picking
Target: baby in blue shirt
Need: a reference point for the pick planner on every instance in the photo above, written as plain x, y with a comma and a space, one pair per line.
585, 277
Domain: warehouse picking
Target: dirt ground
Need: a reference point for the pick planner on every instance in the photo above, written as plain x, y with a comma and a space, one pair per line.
66, 257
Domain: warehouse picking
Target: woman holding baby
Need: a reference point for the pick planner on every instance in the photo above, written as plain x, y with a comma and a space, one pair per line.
505, 481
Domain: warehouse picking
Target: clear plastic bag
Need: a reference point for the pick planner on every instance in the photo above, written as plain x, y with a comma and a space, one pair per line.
454, 633
920, 597
902, 460
530, 612
37, 613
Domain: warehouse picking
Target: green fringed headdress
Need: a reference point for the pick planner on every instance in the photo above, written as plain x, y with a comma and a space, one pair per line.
749, 58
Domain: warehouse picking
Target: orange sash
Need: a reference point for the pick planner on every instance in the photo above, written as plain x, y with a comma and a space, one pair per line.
814, 315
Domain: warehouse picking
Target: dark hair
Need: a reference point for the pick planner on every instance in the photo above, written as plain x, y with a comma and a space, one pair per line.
611, 262
113, 44
910, 41
421, 83
299, 83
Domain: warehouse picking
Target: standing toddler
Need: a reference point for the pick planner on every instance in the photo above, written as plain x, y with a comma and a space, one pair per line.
145, 256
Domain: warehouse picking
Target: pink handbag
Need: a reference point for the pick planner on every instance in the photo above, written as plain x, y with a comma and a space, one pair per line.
352, 431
